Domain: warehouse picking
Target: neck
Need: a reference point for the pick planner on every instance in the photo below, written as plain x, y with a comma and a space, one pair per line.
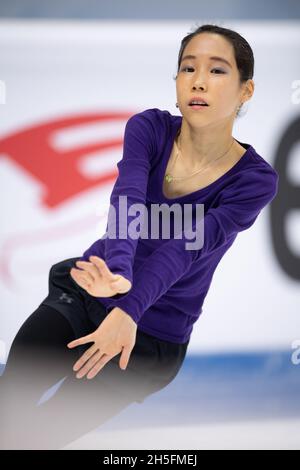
201, 146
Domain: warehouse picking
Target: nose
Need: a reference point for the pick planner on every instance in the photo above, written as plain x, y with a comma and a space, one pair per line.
199, 85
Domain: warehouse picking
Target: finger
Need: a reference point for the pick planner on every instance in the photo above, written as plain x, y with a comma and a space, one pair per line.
114, 286
121, 285
83, 284
103, 268
82, 340
98, 366
118, 277
89, 267
89, 365
124, 359
82, 280
82, 360
81, 274
77, 275
79, 280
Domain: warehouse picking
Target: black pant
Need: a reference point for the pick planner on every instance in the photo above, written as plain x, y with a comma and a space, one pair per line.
39, 358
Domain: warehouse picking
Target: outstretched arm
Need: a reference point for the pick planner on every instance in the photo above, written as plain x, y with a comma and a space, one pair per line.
239, 207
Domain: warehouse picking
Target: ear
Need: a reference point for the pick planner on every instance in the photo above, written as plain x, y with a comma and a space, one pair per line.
248, 90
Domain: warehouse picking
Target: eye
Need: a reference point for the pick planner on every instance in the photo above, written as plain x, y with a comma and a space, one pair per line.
187, 68
191, 68
219, 70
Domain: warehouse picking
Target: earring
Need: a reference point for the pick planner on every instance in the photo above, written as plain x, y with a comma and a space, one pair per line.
177, 105
238, 108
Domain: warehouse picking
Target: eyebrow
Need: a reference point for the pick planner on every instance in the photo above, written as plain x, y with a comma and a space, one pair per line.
220, 59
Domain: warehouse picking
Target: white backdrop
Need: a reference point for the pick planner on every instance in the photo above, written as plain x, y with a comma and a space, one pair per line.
58, 162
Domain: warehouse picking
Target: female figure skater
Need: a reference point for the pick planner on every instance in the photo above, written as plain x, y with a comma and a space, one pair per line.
138, 298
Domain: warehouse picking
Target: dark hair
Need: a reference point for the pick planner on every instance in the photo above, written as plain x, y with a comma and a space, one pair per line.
242, 50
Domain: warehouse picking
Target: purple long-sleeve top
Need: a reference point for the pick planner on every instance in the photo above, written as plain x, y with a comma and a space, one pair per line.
169, 281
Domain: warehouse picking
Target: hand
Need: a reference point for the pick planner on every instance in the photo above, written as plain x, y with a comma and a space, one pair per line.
116, 333
97, 279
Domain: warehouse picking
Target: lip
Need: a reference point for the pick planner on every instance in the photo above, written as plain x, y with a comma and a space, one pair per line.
197, 98
197, 107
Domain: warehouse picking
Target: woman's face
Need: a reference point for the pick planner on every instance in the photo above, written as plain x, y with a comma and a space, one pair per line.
215, 81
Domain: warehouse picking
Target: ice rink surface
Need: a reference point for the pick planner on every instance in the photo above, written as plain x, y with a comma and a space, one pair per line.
217, 401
